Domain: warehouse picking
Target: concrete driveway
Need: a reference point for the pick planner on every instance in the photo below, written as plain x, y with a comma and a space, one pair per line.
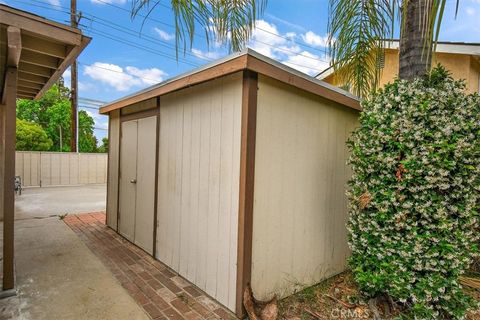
53, 201
57, 276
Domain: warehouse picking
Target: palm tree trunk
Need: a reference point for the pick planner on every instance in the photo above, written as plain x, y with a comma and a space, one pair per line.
415, 58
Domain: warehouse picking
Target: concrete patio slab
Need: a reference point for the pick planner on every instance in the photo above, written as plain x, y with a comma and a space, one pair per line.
58, 277
48, 201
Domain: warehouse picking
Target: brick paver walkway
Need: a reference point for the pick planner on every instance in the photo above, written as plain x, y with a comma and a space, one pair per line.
158, 289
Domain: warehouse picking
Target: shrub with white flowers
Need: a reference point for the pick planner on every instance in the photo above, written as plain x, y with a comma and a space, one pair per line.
414, 195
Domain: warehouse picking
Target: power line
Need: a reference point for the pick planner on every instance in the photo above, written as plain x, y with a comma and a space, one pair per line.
255, 40
86, 107
135, 33
116, 71
93, 101
153, 51
200, 35
114, 37
148, 49
166, 44
141, 47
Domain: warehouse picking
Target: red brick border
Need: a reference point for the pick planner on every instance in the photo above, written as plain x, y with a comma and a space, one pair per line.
161, 292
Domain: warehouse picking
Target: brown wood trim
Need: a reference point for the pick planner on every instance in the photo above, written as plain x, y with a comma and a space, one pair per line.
222, 69
284, 76
34, 23
109, 137
14, 46
9, 115
139, 115
119, 169
243, 62
157, 158
247, 179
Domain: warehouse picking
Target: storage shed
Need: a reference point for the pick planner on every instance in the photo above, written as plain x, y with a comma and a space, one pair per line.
234, 173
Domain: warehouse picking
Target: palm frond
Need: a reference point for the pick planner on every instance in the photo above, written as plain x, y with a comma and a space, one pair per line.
357, 31
227, 21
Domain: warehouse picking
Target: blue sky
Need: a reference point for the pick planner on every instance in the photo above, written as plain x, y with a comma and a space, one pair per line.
125, 56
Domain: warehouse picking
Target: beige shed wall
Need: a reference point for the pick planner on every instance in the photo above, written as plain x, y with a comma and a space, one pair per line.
198, 184
113, 163
300, 208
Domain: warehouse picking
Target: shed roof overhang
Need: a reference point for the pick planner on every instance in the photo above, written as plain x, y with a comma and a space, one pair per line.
40, 49
245, 60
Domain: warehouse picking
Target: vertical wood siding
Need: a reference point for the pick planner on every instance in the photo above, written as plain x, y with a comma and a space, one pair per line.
60, 169
198, 184
300, 208
113, 164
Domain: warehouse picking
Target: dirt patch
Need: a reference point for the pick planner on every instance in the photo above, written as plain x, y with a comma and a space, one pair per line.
339, 298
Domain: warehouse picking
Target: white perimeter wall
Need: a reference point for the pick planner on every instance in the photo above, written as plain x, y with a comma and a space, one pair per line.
60, 168
199, 169
300, 208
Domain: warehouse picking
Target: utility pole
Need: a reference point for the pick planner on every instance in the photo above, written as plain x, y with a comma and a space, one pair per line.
74, 84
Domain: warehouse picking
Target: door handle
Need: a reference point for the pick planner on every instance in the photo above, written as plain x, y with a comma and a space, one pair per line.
133, 181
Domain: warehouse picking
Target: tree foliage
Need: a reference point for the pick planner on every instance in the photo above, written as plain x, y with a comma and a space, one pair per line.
414, 196
104, 147
31, 137
52, 113
87, 142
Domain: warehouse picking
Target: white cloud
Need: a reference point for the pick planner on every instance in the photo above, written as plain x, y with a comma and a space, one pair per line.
285, 22
314, 39
109, 1
307, 62
54, 2
290, 35
123, 79
148, 76
267, 40
205, 54
67, 74
164, 35
470, 11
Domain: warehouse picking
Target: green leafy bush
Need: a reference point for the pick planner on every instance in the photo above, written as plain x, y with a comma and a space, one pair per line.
414, 195
31, 137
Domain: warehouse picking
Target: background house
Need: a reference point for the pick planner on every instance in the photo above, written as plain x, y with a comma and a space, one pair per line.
235, 173
461, 59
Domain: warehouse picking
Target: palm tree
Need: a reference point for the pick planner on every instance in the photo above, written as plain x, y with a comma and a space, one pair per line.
358, 29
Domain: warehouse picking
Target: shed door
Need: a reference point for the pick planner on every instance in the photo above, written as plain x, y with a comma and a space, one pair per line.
137, 181
128, 175
145, 202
